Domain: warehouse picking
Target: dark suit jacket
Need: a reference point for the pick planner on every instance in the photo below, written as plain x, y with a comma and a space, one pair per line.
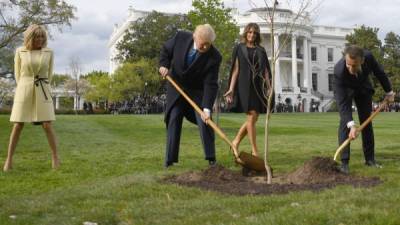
346, 85
199, 80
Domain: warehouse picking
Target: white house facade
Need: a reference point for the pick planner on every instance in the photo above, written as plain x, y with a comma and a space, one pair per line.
118, 33
307, 55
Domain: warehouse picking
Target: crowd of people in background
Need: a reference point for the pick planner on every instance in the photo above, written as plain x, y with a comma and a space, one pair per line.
393, 107
140, 104
156, 104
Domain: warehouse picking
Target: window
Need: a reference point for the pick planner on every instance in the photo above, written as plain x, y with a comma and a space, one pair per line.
298, 80
330, 54
330, 82
315, 81
313, 53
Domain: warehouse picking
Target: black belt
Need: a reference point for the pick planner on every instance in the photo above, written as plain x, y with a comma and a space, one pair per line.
41, 80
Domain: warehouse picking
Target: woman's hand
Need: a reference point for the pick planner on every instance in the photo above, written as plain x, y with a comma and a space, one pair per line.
229, 96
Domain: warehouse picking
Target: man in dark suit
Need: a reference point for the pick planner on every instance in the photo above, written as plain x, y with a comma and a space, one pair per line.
352, 83
193, 62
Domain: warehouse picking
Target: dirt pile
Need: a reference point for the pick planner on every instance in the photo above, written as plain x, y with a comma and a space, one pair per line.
317, 174
315, 171
213, 175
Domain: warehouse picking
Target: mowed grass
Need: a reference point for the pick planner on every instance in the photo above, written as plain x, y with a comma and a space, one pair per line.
112, 165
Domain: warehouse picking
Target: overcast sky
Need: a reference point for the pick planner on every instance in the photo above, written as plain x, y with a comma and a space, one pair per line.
88, 37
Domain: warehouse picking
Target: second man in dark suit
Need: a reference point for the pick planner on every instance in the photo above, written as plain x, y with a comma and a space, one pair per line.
352, 83
193, 62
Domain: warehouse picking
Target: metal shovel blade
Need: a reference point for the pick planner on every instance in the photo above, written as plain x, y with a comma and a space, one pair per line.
252, 162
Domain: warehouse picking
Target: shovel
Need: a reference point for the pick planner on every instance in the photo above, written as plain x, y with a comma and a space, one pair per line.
359, 129
243, 158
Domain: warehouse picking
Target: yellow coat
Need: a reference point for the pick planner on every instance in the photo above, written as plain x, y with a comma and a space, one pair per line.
33, 71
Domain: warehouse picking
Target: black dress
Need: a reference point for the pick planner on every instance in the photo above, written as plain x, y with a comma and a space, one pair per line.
250, 90
255, 100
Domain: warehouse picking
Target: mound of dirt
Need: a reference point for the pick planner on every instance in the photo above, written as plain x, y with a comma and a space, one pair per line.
317, 170
214, 174
317, 174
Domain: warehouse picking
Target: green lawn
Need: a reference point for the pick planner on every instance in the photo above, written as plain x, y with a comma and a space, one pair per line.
111, 167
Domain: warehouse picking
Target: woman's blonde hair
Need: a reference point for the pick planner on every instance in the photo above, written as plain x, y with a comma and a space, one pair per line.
33, 31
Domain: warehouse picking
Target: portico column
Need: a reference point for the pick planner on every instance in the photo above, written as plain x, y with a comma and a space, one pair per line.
57, 102
75, 102
278, 85
81, 101
294, 62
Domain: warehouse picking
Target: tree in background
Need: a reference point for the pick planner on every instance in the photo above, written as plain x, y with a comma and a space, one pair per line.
94, 75
17, 15
391, 60
367, 37
134, 78
75, 84
145, 36
99, 87
7, 60
58, 80
128, 81
6, 90
79, 88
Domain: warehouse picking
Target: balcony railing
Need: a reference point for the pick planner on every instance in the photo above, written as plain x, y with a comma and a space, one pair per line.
285, 54
289, 55
303, 89
287, 89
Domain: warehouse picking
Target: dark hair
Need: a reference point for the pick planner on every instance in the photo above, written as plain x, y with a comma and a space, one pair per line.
354, 52
256, 28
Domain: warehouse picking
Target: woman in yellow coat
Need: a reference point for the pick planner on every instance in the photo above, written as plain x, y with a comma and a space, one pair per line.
32, 101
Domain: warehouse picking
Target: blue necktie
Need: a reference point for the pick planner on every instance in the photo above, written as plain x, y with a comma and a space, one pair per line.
191, 56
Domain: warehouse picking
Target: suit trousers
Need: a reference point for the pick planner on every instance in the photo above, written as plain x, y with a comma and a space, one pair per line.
174, 130
364, 109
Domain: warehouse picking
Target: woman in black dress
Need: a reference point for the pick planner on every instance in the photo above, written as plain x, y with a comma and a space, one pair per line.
249, 83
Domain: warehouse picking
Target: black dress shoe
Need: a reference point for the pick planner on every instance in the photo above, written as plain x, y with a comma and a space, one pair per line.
212, 162
344, 168
373, 163
168, 164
